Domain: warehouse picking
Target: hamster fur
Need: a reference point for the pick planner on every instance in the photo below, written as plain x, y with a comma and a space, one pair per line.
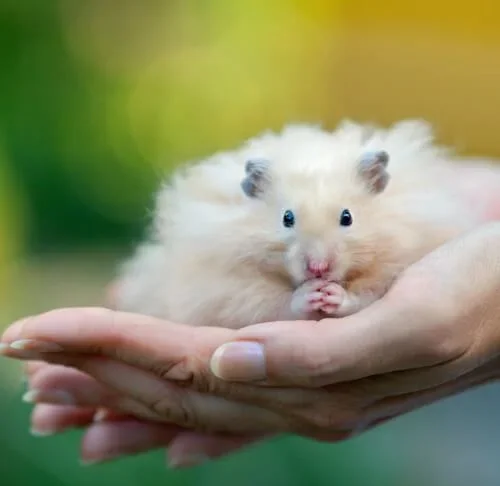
219, 253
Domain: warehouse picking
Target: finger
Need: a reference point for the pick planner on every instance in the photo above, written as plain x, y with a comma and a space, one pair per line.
313, 412
45, 379
105, 441
143, 394
47, 419
296, 353
191, 449
184, 364
304, 411
142, 341
406, 402
384, 337
58, 385
67, 386
405, 382
139, 393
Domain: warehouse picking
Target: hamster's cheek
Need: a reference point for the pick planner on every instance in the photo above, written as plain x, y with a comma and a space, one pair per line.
343, 263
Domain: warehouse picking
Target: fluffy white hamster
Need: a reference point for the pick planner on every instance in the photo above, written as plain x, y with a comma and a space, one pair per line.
304, 223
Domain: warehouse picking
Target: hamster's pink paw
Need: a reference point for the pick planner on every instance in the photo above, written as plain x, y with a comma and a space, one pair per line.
334, 296
308, 297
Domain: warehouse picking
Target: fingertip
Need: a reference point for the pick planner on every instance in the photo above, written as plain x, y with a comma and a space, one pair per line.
50, 325
14, 330
105, 441
48, 419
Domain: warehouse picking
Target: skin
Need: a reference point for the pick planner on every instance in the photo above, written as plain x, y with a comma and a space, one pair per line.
422, 342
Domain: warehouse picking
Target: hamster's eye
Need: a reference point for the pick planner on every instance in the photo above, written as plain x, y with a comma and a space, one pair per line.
345, 218
288, 219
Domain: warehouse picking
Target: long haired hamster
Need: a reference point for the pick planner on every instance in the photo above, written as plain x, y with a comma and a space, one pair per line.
304, 223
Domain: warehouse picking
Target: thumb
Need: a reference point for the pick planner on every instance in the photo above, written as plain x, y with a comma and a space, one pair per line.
384, 337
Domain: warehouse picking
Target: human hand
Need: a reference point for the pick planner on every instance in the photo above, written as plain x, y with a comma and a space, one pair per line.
109, 434
433, 335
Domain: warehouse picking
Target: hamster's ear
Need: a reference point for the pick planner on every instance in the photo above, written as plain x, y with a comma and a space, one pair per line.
257, 177
372, 169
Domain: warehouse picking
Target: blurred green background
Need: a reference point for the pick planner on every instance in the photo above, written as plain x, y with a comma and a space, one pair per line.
101, 98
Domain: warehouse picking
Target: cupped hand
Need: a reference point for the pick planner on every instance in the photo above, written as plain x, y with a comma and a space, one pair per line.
434, 334
109, 434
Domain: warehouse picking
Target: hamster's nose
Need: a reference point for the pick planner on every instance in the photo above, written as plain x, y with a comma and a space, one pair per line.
317, 268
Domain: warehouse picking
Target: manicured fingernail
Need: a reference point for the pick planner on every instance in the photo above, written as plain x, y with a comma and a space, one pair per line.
58, 397
186, 460
239, 361
33, 345
42, 433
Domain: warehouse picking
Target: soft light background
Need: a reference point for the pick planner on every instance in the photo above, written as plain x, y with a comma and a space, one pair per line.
99, 98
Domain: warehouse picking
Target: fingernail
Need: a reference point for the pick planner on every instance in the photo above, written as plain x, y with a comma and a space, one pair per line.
33, 345
239, 361
186, 460
58, 397
42, 433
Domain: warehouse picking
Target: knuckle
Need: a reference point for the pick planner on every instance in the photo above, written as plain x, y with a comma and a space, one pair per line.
449, 348
174, 406
186, 373
444, 343
172, 410
179, 407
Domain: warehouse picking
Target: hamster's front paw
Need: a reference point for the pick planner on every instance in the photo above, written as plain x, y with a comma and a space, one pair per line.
338, 302
308, 297
324, 297
333, 299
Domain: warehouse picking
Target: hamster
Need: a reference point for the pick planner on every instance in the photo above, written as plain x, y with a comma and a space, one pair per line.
300, 224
